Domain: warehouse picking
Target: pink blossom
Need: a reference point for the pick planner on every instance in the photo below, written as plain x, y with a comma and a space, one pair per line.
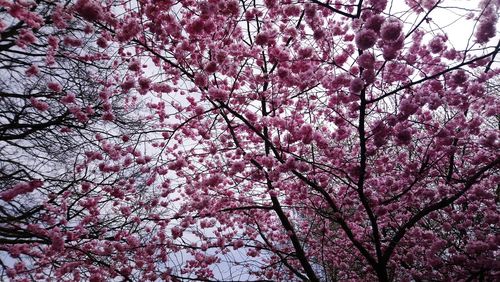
102, 42
436, 45
305, 52
53, 42
21, 11
262, 38
86, 187
237, 167
310, 118
108, 116
59, 17
196, 27
366, 60
133, 241
374, 22
292, 10
54, 86
20, 189
134, 65
177, 165
306, 133
403, 136
408, 107
230, 8
214, 180
3, 26
318, 34
419, 5
26, 37
211, 67
486, 30
270, 3
218, 94
72, 41
201, 80
88, 29
68, 98
391, 30
378, 5
128, 84
125, 210
365, 39
57, 242
389, 52
129, 29
77, 112
238, 244
341, 58
50, 58
89, 9
20, 267
488, 21
32, 70
39, 105
176, 232
207, 9
460, 77
144, 83
369, 76
356, 85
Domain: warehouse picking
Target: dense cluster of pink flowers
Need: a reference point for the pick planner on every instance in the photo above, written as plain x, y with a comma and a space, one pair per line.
488, 19
287, 141
20, 189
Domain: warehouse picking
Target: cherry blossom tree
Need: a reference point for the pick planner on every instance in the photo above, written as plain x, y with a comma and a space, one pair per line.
282, 140
71, 146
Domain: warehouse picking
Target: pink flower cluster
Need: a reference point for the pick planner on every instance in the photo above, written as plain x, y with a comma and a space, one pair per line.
32, 70
419, 5
378, 5
436, 45
89, 10
356, 85
391, 30
218, 94
486, 29
366, 61
39, 105
129, 29
54, 86
68, 98
21, 11
20, 189
365, 39
26, 38
262, 38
